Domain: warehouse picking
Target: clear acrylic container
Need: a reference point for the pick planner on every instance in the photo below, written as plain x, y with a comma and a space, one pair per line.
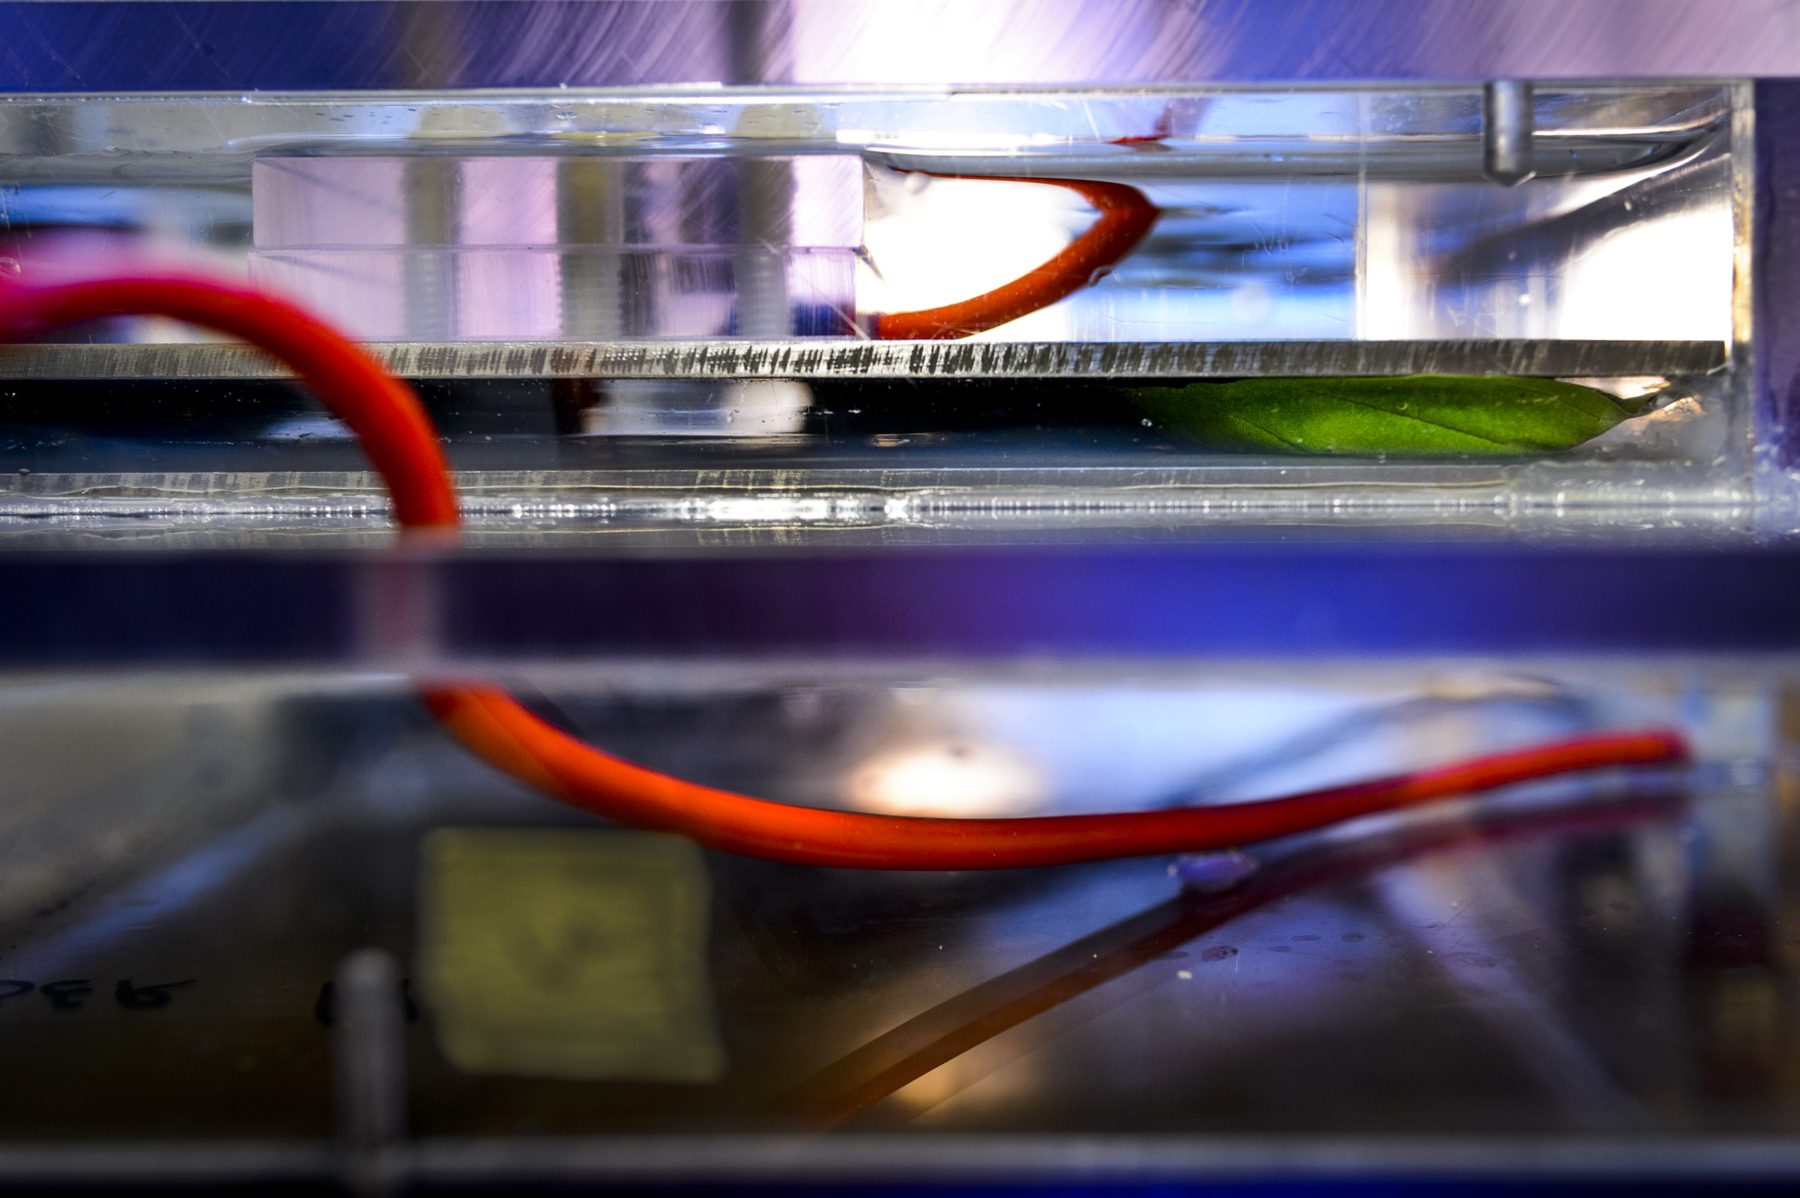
1589, 969
587, 283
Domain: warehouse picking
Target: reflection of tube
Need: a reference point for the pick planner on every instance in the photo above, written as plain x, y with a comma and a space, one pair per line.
1476, 961
1355, 726
869, 1074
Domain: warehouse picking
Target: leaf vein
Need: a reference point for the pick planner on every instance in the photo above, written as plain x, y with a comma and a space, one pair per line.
1449, 428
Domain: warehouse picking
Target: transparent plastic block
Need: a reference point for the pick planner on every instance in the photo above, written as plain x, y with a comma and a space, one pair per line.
578, 248
1286, 213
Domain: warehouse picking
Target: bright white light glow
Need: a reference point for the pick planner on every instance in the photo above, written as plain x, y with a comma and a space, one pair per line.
309, 427
661, 408
939, 241
947, 778
1663, 280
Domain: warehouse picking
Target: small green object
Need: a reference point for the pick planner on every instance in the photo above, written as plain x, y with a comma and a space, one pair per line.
1421, 415
569, 952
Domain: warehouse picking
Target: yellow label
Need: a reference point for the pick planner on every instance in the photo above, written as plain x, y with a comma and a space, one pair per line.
561, 953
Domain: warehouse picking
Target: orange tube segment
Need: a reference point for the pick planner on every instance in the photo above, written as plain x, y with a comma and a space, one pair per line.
384, 412
1125, 217
493, 725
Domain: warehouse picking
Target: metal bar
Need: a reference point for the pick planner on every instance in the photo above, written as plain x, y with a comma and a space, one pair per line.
368, 1050
1506, 132
1035, 1158
874, 1158
158, 1163
823, 359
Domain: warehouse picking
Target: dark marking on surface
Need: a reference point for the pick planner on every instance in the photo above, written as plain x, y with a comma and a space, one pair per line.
147, 998
66, 995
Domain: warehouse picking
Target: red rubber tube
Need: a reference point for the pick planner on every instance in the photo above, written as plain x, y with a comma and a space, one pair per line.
383, 411
1125, 216
491, 723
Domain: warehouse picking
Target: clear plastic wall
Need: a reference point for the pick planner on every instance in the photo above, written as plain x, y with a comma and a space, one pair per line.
612, 298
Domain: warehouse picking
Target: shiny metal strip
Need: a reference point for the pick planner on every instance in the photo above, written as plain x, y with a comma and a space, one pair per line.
898, 359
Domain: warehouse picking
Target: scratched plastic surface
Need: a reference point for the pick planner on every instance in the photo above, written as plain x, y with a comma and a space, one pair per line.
188, 857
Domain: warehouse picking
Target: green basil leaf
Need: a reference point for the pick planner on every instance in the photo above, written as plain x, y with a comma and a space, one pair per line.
1420, 415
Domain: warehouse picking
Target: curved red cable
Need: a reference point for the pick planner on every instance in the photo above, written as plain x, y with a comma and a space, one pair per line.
383, 411
491, 723
1125, 216
488, 719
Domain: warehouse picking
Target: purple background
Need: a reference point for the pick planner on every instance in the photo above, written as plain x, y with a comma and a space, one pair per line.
231, 45
1270, 600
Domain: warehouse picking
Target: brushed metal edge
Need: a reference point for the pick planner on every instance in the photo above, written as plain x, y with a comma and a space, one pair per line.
893, 359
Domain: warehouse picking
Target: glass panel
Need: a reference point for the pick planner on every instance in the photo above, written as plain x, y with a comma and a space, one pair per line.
693, 283
195, 854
